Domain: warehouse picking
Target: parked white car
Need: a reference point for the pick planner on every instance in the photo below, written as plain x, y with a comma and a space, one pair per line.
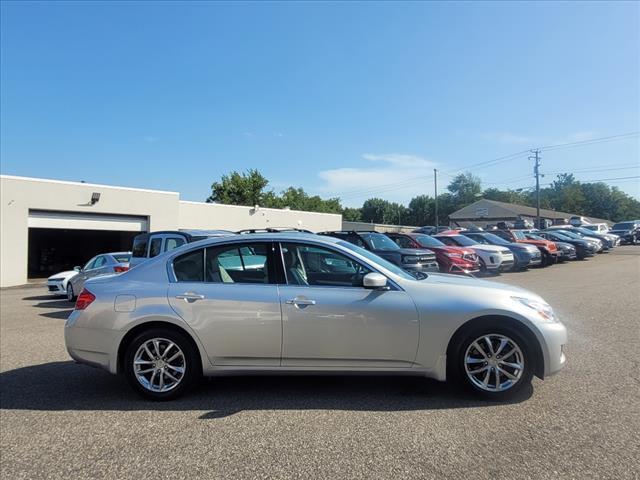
598, 227
493, 258
57, 284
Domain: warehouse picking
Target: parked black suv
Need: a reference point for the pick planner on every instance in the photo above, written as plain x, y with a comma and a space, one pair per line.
411, 259
629, 232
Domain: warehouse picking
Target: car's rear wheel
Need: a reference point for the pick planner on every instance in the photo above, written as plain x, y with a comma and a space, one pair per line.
494, 362
161, 364
71, 296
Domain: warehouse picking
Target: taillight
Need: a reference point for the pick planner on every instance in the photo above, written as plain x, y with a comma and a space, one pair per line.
84, 299
119, 269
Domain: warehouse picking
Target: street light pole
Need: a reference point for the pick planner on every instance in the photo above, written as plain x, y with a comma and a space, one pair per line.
435, 185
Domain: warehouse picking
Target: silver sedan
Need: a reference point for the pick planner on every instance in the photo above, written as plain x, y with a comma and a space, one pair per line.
103, 264
295, 302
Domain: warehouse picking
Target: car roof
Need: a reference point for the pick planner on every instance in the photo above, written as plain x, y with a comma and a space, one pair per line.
270, 236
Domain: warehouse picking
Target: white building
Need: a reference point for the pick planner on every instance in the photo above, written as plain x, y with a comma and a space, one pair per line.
47, 225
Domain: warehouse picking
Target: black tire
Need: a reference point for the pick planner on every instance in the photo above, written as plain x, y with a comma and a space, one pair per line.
457, 355
71, 296
192, 366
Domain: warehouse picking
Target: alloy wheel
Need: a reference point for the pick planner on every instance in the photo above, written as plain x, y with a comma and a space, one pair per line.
69, 292
494, 363
159, 365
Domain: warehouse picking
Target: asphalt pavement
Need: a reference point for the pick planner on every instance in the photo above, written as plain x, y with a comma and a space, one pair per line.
63, 420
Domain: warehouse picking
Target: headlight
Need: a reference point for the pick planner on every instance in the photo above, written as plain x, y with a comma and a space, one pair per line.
453, 255
544, 310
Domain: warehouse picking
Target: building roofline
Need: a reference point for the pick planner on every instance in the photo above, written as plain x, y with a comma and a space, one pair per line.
98, 185
191, 202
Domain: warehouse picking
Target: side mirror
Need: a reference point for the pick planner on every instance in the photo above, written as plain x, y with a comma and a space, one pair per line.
77, 268
375, 281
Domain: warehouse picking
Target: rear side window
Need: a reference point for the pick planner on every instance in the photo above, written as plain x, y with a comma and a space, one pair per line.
172, 243
122, 258
140, 246
189, 267
246, 263
154, 249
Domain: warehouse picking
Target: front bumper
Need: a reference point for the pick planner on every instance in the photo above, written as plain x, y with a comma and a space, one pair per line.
421, 267
554, 341
56, 288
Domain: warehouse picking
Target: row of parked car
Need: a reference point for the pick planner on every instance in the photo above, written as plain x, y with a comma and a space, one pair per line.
427, 249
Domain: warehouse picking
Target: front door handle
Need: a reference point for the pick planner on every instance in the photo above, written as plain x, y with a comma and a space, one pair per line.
190, 297
300, 301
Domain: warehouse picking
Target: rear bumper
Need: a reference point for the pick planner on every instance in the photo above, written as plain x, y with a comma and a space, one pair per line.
91, 346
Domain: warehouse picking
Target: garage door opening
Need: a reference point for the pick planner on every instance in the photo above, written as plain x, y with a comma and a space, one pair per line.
53, 250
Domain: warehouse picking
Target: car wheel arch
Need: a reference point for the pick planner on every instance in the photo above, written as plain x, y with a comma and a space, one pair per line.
497, 320
148, 325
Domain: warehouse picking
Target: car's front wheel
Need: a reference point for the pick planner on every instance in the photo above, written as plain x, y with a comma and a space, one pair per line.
494, 362
161, 364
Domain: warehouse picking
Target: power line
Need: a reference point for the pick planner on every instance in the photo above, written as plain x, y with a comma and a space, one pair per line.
417, 180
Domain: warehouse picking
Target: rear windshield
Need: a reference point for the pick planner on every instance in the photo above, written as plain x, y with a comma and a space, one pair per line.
140, 246
123, 258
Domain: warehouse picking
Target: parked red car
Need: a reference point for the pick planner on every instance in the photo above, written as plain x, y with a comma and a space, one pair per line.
450, 259
548, 249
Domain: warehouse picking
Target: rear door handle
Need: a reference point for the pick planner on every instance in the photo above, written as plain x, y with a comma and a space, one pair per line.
190, 297
300, 301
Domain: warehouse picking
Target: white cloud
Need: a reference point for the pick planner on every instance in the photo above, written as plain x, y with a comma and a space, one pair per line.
397, 177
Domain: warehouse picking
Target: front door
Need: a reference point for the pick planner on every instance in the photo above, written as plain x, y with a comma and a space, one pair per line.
227, 294
330, 320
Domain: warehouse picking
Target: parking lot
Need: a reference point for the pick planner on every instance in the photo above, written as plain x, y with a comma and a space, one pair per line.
62, 420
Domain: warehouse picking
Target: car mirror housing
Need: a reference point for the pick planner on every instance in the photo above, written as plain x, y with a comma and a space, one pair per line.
77, 268
375, 281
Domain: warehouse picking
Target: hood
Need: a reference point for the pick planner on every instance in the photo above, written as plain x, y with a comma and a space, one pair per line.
490, 248
64, 275
471, 282
416, 252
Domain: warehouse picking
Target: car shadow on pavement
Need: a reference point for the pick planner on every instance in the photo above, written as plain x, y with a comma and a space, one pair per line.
68, 386
47, 301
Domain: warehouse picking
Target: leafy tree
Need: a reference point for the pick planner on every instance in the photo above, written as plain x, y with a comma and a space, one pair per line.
352, 214
465, 187
376, 210
239, 188
509, 196
421, 211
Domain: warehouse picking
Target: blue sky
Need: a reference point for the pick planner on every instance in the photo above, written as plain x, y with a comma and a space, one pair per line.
349, 99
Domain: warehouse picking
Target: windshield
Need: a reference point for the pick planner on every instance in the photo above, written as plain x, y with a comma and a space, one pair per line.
378, 241
584, 230
464, 241
377, 260
623, 226
559, 236
495, 240
592, 227
571, 235
427, 241
531, 236
518, 235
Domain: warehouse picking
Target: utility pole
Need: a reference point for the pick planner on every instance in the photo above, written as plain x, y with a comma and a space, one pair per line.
435, 184
536, 172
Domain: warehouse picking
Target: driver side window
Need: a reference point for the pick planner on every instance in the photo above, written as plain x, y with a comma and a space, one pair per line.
319, 266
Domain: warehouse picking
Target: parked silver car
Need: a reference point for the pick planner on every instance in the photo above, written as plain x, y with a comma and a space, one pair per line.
295, 302
103, 264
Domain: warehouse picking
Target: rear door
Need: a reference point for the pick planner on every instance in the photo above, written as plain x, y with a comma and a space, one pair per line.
228, 295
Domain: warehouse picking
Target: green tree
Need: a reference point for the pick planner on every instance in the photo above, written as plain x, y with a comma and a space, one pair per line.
376, 210
466, 188
239, 188
421, 211
509, 196
352, 214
